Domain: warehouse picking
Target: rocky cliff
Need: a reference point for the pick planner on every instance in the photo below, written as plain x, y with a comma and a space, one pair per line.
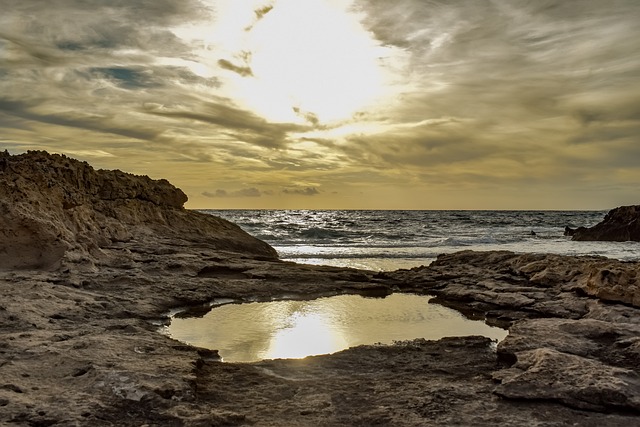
619, 225
54, 208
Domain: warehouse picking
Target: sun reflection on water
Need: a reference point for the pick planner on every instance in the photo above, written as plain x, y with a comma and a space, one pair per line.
294, 329
310, 333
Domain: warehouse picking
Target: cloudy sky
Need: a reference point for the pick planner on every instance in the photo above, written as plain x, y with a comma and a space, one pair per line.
359, 104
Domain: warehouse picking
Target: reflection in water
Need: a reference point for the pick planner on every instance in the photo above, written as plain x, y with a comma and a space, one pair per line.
293, 329
308, 334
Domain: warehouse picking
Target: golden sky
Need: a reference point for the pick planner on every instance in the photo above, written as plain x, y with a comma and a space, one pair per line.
335, 104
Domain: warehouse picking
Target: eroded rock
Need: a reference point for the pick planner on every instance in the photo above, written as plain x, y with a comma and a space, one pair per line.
52, 207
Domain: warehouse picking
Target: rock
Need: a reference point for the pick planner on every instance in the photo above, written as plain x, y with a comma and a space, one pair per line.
532, 284
52, 207
579, 382
610, 343
574, 330
94, 327
616, 281
619, 225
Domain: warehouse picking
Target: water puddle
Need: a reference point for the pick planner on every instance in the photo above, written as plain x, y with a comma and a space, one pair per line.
254, 331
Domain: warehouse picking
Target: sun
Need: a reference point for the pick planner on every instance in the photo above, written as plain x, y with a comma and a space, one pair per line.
305, 61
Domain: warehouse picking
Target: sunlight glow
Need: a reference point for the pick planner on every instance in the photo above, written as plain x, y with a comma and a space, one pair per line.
317, 57
309, 334
305, 61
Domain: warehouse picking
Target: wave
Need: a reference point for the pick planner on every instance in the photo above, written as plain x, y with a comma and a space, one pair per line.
323, 233
397, 239
483, 240
327, 239
359, 255
468, 241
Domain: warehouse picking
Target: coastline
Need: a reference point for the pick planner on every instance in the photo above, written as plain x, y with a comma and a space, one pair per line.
390, 240
80, 342
84, 347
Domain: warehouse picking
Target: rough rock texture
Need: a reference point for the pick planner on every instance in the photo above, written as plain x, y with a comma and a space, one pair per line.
619, 225
54, 208
574, 329
81, 347
80, 341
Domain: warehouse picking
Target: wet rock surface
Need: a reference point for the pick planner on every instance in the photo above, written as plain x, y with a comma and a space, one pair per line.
80, 341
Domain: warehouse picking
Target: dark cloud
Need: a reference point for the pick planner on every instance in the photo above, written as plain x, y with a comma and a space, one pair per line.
309, 117
75, 120
245, 192
517, 74
243, 124
243, 71
75, 28
260, 13
308, 191
154, 12
129, 78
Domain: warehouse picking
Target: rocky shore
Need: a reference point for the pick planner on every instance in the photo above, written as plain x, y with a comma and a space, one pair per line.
92, 261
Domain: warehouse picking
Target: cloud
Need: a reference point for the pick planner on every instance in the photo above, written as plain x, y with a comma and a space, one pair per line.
507, 94
242, 124
308, 191
74, 120
309, 117
245, 192
127, 78
68, 28
243, 71
260, 13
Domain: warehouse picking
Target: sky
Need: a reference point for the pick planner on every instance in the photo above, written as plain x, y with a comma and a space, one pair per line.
335, 104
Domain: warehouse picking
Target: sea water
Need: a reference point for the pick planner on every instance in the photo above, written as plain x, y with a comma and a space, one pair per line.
389, 240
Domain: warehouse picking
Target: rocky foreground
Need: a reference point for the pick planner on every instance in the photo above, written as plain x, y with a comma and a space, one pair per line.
93, 260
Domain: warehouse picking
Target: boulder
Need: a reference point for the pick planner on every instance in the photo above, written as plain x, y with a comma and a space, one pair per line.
53, 207
619, 225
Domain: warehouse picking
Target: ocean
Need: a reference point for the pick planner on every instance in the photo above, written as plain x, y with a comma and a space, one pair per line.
389, 240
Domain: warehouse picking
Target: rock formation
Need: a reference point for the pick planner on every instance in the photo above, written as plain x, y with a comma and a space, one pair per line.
619, 225
92, 262
54, 208
574, 331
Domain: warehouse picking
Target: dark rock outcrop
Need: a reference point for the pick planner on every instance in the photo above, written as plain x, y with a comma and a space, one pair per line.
619, 225
53, 207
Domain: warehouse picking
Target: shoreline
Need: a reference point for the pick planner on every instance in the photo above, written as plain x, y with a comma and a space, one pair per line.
388, 241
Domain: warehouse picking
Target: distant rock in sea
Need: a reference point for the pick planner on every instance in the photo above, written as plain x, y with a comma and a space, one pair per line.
52, 207
619, 225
